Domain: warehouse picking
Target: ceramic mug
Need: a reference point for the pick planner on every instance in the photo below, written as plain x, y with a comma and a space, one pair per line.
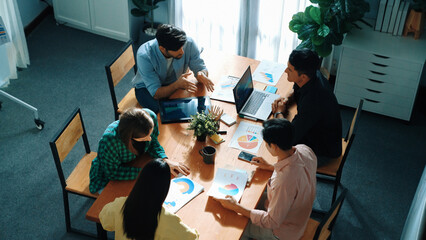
208, 153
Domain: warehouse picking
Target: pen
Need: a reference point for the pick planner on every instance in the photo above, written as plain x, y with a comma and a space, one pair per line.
251, 118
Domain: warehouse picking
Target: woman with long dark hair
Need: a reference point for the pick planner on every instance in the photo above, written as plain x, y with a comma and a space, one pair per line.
141, 214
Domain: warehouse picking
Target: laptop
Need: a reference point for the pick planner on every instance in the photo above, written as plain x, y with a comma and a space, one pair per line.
250, 102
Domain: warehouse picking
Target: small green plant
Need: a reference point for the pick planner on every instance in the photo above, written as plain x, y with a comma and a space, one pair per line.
203, 124
145, 8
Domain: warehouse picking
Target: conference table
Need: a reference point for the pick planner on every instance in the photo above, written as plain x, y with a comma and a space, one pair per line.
203, 213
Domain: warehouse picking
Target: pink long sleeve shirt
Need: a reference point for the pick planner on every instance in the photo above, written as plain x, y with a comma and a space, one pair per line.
291, 193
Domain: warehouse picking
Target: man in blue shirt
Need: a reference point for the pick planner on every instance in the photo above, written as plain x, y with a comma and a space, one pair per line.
164, 64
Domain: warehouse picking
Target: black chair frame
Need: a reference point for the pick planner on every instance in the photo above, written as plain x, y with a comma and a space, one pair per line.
62, 179
110, 80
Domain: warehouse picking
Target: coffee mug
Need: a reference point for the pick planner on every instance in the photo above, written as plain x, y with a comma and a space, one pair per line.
208, 153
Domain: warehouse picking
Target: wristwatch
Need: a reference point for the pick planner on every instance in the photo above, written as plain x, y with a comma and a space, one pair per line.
278, 113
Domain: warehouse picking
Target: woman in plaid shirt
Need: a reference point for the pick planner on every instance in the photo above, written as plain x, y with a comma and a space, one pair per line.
133, 134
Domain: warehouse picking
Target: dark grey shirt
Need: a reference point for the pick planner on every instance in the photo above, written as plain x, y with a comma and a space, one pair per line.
318, 123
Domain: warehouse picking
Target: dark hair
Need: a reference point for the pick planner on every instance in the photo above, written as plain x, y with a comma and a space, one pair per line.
170, 37
143, 206
305, 61
134, 123
278, 131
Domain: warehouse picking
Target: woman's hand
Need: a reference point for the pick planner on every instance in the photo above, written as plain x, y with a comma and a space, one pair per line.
177, 167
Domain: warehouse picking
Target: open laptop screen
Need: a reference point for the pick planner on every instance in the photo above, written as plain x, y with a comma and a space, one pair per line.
243, 89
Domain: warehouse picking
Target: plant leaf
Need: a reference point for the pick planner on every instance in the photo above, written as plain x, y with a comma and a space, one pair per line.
317, 40
307, 31
323, 30
324, 49
137, 12
297, 21
306, 44
315, 14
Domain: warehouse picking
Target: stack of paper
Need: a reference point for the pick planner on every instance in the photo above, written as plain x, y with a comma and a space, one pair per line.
182, 190
223, 90
269, 72
228, 182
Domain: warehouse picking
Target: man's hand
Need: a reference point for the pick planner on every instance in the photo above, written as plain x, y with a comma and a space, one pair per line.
262, 163
279, 105
202, 78
177, 167
184, 83
228, 202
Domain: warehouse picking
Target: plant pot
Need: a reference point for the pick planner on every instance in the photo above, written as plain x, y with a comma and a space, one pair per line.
143, 36
201, 138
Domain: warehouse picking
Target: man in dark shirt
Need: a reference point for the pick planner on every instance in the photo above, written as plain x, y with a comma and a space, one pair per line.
318, 123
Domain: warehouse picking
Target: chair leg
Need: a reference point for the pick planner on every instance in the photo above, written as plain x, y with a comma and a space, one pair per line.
67, 211
336, 188
102, 234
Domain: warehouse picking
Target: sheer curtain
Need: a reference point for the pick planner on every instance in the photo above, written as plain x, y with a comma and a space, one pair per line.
256, 29
17, 50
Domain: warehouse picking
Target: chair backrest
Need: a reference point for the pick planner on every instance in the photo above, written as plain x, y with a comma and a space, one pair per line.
326, 225
354, 123
346, 145
118, 68
66, 138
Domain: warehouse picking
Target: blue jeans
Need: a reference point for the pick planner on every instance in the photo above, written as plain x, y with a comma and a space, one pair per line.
146, 100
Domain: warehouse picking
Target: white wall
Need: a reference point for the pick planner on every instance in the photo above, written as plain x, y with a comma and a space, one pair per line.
30, 9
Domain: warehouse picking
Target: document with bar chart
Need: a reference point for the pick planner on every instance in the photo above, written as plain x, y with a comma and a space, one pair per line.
269, 72
247, 137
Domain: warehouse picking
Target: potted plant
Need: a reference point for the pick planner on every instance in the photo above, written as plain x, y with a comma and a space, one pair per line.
146, 8
320, 27
203, 124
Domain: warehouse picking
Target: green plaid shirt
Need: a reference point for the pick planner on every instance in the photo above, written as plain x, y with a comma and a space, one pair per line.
112, 153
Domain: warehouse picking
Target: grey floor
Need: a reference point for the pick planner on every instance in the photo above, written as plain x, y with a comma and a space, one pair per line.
67, 71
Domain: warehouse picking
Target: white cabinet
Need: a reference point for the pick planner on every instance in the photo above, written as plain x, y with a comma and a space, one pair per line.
110, 18
382, 69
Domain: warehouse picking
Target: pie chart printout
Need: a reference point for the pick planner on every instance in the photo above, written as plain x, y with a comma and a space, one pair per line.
248, 141
247, 137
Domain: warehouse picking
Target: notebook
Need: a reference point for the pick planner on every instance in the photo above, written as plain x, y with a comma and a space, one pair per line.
251, 102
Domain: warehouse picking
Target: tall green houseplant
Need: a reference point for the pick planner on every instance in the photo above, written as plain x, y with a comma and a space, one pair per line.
322, 26
145, 8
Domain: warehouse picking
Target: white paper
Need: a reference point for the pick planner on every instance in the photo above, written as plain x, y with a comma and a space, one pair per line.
228, 182
182, 190
269, 72
223, 90
247, 137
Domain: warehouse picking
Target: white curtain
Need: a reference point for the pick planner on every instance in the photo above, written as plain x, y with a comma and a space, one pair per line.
17, 50
256, 29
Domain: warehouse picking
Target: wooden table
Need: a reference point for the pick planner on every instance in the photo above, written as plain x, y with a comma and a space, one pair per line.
203, 213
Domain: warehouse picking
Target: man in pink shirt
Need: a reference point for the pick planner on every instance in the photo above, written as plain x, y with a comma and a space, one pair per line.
290, 190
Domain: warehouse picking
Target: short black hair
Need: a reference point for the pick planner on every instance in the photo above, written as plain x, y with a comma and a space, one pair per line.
305, 61
278, 131
170, 37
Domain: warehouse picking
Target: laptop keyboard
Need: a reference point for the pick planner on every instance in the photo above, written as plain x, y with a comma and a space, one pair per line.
254, 103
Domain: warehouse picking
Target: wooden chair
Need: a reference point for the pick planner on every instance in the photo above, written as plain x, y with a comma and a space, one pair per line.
78, 181
333, 170
116, 71
322, 230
